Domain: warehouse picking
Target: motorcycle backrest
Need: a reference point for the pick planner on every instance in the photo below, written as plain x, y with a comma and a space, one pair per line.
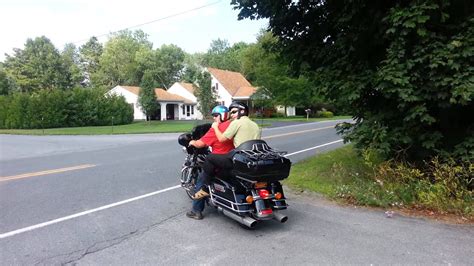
200, 130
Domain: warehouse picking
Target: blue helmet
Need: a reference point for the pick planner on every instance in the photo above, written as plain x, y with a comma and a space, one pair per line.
222, 111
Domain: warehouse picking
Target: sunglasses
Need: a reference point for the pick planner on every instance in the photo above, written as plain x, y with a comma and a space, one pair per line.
215, 115
233, 112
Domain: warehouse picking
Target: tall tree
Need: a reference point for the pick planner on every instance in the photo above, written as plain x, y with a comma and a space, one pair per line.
118, 62
205, 95
170, 60
90, 54
402, 68
71, 61
223, 56
38, 66
147, 96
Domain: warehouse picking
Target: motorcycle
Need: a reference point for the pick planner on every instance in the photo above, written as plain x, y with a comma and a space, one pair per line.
248, 193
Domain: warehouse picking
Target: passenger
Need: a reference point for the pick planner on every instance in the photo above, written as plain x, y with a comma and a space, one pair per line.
240, 130
220, 116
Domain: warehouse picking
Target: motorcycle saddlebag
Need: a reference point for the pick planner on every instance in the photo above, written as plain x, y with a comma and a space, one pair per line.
263, 169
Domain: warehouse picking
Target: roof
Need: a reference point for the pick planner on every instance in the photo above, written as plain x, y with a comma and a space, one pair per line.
234, 82
188, 86
161, 95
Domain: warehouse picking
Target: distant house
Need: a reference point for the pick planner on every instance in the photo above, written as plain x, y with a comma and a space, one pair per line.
230, 86
173, 106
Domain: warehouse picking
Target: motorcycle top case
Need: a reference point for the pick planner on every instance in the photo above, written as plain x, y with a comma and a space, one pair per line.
263, 169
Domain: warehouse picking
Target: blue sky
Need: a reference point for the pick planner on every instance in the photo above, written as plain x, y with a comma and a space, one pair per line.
65, 21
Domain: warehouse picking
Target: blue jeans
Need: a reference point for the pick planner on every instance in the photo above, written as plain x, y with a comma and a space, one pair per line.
198, 205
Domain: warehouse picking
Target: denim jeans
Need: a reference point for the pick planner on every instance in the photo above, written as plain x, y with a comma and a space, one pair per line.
198, 205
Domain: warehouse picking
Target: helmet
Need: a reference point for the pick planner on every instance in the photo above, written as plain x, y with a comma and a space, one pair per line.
243, 108
222, 111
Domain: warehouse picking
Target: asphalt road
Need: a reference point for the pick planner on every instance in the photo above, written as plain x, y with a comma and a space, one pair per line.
121, 205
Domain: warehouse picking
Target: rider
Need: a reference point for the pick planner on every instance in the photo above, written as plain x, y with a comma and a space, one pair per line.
241, 129
220, 116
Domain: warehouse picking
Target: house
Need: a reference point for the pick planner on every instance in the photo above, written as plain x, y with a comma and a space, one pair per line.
230, 86
172, 106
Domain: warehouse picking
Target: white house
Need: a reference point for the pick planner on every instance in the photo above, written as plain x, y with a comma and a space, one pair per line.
230, 86
173, 106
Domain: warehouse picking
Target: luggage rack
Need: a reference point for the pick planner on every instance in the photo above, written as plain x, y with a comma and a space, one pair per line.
261, 151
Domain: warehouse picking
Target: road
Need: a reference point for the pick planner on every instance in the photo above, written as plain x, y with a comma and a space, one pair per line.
115, 200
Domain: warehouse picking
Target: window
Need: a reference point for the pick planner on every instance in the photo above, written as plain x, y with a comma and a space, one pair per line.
188, 110
192, 109
182, 107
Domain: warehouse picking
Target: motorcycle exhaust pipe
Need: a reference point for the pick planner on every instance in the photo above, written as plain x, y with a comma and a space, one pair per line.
247, 221
280, 217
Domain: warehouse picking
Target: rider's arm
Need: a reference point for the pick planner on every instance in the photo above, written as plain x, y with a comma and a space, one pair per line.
197, 143
219, 134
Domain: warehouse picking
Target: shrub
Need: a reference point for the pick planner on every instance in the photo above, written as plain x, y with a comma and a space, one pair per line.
324, 113
56, 108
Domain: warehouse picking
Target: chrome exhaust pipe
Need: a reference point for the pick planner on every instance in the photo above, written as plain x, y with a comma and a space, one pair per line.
280, 217
247, 221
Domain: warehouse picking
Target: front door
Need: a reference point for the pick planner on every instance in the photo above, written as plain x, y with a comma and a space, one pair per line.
170, 112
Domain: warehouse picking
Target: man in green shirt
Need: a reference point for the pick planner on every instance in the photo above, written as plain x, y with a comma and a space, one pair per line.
241, 129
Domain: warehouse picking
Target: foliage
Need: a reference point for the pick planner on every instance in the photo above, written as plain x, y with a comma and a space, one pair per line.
71, 61
371, 181
38, 66
147, 96
263, 64
324, 113
404, 69
57, 108
204, 94
89, 56
6, 83
223, 56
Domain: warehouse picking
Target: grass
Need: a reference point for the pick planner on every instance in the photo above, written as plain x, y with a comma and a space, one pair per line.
133, 128
366, 180
141, 127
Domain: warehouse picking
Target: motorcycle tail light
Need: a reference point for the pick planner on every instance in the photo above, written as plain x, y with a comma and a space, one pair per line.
249, 199
278, 195
266, 212
263, 193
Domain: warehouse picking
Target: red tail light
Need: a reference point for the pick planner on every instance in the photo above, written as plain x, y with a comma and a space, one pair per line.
263, 193
266, 211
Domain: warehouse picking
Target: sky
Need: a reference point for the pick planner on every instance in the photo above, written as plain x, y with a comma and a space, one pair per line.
75, 21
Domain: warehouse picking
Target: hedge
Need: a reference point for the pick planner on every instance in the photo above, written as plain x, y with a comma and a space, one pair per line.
57, 108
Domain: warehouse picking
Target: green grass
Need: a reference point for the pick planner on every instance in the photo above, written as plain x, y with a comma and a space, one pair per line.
317, 173
366, 180
134, 128
142, 127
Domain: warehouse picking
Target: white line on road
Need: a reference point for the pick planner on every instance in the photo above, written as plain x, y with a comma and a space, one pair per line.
62, 219
69, 217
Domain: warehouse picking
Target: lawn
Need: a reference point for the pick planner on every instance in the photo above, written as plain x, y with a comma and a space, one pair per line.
141, 127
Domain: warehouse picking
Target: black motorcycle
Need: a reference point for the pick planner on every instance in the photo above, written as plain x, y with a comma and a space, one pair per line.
249, 192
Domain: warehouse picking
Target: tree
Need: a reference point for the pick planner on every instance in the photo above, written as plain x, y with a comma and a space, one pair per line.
147, 96
38, 66
90, 54
204, 94
170, 59
71, 61
223, 56
6, 83
402, 68
118, 62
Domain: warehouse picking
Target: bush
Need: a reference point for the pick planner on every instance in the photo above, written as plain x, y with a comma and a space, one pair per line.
324, 113
56, 108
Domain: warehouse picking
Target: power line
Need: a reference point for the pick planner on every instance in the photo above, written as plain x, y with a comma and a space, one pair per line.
153, 21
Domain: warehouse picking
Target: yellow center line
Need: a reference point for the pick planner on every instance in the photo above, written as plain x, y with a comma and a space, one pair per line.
47, 172
297, 132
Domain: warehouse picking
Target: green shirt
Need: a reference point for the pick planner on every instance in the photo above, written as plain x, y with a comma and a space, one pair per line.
242, 130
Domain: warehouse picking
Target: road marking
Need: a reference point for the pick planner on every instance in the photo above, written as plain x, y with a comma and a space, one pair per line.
47, 172
69, 217
315, 147
297, 132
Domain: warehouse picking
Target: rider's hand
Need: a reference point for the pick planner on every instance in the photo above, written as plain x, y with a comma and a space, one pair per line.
191, 143
215, 125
